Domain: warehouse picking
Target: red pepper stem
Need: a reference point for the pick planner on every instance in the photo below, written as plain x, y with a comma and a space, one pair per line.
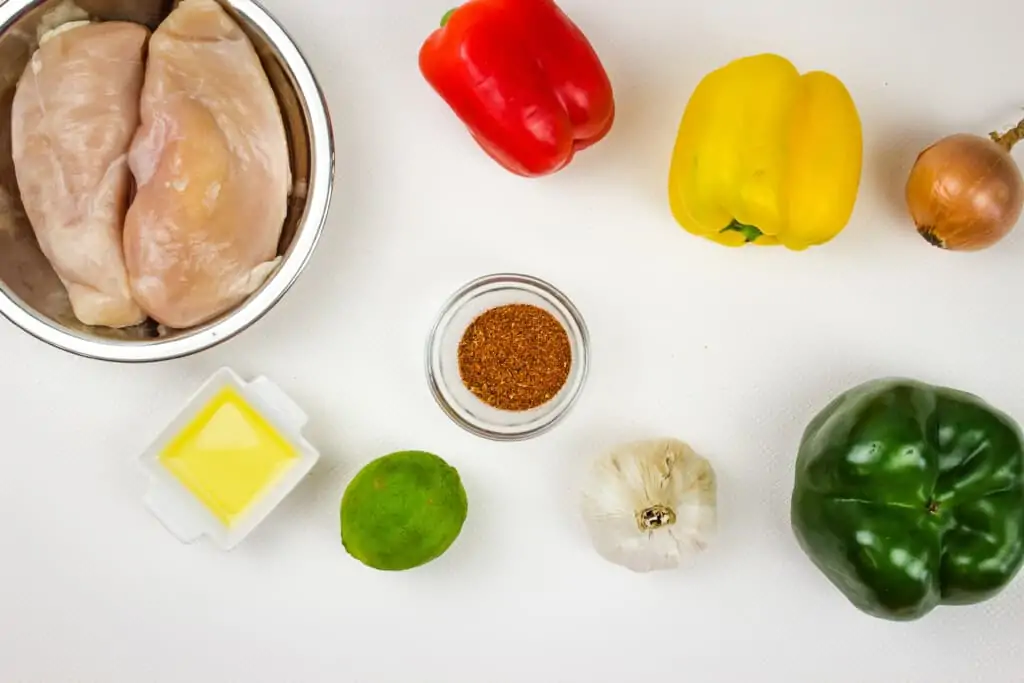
447, 16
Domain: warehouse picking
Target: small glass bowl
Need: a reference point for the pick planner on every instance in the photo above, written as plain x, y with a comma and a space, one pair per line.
464, 408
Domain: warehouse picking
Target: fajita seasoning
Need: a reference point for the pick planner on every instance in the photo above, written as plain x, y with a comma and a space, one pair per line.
515, 357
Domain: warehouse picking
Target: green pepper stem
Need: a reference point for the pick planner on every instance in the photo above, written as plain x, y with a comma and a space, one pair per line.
749, 232
447, 16
1010, 138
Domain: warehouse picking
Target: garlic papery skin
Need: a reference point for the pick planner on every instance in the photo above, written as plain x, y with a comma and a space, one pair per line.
651, 505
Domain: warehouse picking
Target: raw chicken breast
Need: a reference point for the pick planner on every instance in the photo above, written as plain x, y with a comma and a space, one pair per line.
74, 113
212, 167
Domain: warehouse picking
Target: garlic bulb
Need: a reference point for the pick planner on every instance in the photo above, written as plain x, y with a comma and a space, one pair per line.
651, 505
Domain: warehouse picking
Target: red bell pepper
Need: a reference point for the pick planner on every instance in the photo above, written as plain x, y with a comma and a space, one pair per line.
523, 79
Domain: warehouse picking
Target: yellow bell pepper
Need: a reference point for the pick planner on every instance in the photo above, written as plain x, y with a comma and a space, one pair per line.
765, 155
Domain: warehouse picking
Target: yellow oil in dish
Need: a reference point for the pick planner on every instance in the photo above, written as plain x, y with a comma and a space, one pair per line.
228, 456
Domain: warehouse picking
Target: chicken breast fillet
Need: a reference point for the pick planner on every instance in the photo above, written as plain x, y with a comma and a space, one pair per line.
212, 167
74, 113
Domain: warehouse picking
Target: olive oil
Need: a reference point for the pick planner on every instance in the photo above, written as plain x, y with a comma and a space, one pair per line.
228, 456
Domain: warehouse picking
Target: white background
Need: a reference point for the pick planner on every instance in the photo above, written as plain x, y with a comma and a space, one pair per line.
733, 351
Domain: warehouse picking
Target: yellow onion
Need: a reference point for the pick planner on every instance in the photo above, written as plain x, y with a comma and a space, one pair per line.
965, 192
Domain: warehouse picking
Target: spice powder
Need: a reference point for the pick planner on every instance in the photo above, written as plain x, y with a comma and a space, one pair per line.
515, 357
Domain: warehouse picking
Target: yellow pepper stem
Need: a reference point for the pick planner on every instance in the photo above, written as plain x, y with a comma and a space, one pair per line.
749, 232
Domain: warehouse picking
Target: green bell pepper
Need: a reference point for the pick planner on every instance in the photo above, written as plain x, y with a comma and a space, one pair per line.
908, 496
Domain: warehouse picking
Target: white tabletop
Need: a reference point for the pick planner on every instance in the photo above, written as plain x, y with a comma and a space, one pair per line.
731, 350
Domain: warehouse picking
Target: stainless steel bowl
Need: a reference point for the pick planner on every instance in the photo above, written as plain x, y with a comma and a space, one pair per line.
33, 298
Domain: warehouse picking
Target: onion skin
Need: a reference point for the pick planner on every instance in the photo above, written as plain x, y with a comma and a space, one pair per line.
965, 192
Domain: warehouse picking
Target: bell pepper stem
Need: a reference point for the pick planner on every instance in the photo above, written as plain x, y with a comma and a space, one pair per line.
749, 232
447, 16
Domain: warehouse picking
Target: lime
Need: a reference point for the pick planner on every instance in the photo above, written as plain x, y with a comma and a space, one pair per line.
402, 510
